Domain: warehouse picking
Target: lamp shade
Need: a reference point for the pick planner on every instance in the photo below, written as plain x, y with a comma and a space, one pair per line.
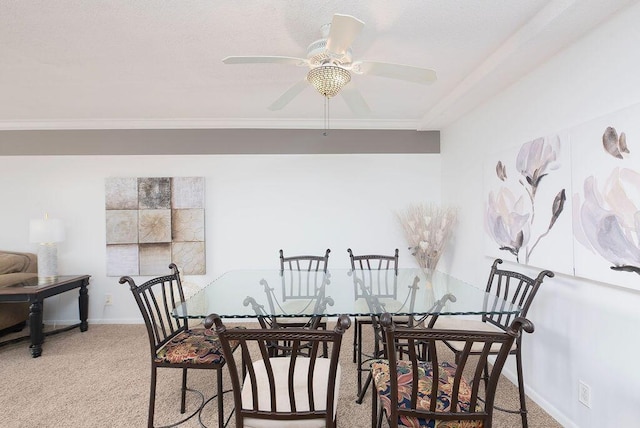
46, 231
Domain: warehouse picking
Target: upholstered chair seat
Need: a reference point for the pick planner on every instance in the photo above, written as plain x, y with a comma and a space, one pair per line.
280, 366
197, 346
381, 375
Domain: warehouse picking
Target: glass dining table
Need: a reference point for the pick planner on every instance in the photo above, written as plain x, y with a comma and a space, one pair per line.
403, 293
408, 292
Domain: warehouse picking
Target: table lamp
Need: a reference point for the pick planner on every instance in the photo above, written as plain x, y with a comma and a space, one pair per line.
46, 232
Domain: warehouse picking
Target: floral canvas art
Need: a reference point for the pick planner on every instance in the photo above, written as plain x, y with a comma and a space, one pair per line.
525, 216
606, 208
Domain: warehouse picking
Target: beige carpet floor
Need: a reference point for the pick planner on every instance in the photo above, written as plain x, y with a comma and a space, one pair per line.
100, 378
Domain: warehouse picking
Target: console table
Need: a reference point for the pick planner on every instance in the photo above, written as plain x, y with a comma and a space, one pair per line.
34, 291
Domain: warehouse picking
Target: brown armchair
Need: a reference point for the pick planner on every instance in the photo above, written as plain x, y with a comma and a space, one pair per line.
15, 267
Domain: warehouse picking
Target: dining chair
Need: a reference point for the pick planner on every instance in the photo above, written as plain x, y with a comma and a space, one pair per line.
405, 391
295, 391
305, 263
378, 274
172, 343
315, 303
300, 275
401, 348
516, 288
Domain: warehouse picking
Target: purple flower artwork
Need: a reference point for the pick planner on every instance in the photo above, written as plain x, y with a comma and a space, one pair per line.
526, 201
606, 202
573, 209
610, 218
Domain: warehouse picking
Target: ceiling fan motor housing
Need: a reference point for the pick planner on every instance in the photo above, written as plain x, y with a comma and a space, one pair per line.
317, 54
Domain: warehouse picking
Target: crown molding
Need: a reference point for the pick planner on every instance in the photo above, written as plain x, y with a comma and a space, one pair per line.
205, 123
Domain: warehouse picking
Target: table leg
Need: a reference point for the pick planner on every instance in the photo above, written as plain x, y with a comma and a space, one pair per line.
35, 328
83, 306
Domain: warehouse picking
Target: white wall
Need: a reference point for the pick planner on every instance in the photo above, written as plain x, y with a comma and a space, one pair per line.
255, 205
584, 330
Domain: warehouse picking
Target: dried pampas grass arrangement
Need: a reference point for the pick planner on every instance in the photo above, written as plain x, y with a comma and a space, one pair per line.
427, 228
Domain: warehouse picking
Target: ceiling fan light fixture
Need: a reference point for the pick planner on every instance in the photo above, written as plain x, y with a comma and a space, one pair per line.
328, 79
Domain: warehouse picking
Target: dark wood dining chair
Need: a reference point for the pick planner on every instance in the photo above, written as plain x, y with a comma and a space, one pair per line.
516, 288
172, 343
378, 275
295, 391
413, 392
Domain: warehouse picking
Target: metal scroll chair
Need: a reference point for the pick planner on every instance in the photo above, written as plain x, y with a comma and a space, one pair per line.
515, 288
300, 274
304, 263
400, 348
172, 343
407, 394
378, 275
295, 391
277, 317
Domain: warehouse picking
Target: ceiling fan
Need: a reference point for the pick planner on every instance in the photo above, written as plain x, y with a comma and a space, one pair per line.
330, 62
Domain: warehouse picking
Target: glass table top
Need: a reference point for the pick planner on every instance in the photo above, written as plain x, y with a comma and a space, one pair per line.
254, 293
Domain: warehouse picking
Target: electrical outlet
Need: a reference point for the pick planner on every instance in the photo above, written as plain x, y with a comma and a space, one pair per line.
108, 300
584, 393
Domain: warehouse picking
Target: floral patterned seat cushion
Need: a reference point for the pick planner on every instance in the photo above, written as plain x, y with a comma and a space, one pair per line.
380, 372
199, 346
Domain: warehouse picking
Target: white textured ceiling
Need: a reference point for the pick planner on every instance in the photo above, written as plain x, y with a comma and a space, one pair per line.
72, 64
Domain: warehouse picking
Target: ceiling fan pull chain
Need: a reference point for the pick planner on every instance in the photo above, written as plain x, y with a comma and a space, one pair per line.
326, 116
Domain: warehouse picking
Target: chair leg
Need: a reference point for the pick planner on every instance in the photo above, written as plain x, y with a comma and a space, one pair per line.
374, 408
355, 338
220, 400
523, 402
380, 414
364, 389
183, 399
358, 332
152, 396
325, 346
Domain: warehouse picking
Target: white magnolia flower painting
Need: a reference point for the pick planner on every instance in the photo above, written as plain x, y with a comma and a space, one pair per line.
606, 203
525, 217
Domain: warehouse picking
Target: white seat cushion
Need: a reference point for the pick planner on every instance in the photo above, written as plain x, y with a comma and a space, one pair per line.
460, 323
280, 367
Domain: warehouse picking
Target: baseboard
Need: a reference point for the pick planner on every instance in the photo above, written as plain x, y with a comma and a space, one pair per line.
94, 321
544, 404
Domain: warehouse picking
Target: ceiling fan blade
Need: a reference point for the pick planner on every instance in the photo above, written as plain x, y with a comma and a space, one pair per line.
396, 71
344, 29
289, 95
355, 101
265, 60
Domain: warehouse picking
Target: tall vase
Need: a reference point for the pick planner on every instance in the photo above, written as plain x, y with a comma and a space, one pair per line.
429, 264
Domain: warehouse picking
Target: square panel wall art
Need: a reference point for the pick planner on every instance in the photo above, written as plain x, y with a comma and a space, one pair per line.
152, 222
